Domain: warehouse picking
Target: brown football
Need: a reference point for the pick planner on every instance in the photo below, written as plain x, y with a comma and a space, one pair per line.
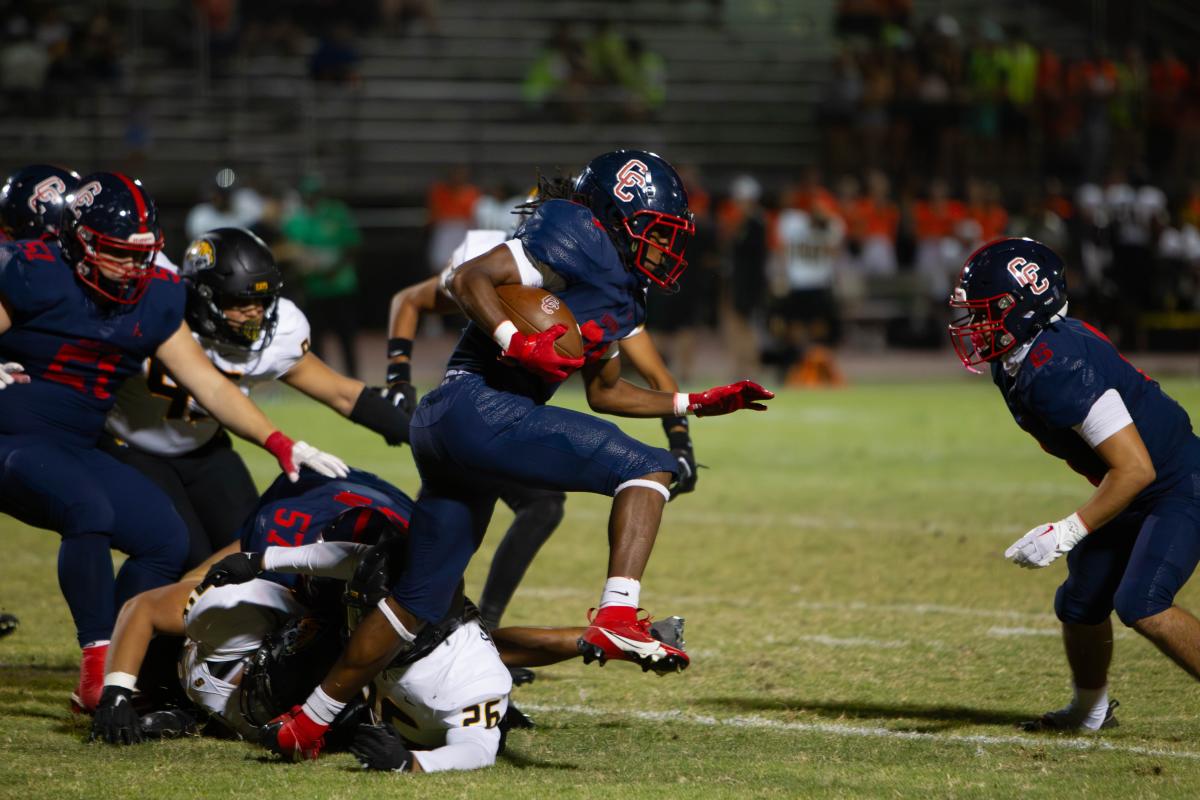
534, 310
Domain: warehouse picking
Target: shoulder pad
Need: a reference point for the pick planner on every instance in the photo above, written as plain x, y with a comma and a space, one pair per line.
568, 239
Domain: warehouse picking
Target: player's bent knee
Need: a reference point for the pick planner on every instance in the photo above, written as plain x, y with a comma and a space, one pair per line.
1074, 610
1137, 610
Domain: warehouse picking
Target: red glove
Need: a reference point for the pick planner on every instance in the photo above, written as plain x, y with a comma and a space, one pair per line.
535, 352
293, 735
727, 399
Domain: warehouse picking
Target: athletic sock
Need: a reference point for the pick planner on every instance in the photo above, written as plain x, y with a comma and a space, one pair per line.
621, 592
1091, 706
322, 708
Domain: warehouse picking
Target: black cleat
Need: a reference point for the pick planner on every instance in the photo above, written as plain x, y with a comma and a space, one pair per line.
8, 624
516, 719
1055, 721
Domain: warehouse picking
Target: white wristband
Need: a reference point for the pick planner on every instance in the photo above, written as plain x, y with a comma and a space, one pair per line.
122, 679
503, 334
1072, 530
682, 404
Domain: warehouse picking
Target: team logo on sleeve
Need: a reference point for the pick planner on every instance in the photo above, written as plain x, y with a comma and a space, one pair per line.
1027, 275
47, 191
84, 196
634, 173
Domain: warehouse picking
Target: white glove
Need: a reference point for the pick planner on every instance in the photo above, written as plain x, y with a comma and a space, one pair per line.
11, 372
305, 455
1042, 545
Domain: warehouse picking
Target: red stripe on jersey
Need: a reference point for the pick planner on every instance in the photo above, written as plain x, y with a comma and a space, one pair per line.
138, 198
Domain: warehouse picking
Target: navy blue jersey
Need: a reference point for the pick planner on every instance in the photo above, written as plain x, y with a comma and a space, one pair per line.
76, 352
293, 514
1069, 366
580, 265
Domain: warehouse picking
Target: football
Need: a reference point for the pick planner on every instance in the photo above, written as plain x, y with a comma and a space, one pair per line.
534, 310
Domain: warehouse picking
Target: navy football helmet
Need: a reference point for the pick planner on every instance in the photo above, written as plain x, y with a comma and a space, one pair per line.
110, 234
640, 200
32, 200
1009, 290
228, 267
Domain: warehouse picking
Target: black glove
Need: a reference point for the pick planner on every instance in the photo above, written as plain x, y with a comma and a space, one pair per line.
402, 395
116, 721
380, 747
681, 449
234, 568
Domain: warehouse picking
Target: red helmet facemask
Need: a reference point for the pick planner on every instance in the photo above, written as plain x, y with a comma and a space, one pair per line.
979, 335
665, 234
117, 269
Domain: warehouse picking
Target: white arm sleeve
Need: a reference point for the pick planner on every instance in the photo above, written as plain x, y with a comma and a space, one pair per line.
1107, 416
465, 748
530, 275
321, 559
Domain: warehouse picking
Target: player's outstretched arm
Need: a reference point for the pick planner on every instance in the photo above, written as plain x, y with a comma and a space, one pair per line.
408, 305
368, 406
157, 611
1130, 471
608, 393
221, 397
641, 353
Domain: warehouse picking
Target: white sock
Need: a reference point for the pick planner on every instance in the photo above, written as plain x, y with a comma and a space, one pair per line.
1091, 705
322, 708
621, 592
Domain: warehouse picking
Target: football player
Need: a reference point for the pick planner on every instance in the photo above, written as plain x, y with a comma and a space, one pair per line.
487, 425
253, 336
537, 512
443, 699
1133, 543
78, 315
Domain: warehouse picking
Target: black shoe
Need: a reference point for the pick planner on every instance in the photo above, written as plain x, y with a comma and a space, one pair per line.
521, 675
8, 624
516, 719
1053, 721
170, 724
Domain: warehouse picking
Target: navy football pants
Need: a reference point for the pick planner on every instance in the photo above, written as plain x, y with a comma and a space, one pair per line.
1135, 564
95, 503
469, 441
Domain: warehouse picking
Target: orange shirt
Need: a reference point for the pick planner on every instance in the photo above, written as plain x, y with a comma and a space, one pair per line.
992, 220
937, 220
808, 199
446, 202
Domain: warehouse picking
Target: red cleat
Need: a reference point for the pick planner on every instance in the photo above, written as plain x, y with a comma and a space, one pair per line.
86, 696
616, 632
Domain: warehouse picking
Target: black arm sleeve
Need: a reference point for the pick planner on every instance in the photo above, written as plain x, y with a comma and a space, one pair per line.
372, 410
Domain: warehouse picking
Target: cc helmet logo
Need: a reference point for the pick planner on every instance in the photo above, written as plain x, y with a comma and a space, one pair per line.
49, 190
634, 173
84, 196
1027, 275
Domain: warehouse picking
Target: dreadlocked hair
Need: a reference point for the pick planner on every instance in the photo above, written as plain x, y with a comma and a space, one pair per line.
559, 187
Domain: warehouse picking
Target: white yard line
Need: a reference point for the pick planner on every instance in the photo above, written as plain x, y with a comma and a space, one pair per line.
855, 731
935, 609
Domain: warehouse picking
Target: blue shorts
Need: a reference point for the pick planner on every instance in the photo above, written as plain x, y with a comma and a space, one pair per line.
470, 441
1135, 564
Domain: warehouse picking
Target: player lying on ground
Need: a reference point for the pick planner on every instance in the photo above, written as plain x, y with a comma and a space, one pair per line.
1133, 544
253, 336
537, 511
448, 693
488, 424
78, 315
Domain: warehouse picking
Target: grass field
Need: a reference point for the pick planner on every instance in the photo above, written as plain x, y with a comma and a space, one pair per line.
855, 632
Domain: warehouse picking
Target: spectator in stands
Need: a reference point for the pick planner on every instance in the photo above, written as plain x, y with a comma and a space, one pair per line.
743, 233
557, 81
398, 16
985, 209
809, 242
986, 84
336, 58
1097, 75
1169, 80
1019, 59
878, 220
325, 240
226, 206
1127, 108
836, 115
939, 253
644, 79
450, 204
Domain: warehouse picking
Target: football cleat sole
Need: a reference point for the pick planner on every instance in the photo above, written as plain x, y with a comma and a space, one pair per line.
649, 663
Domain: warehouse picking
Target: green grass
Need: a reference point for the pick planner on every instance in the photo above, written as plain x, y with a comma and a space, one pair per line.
855, 631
